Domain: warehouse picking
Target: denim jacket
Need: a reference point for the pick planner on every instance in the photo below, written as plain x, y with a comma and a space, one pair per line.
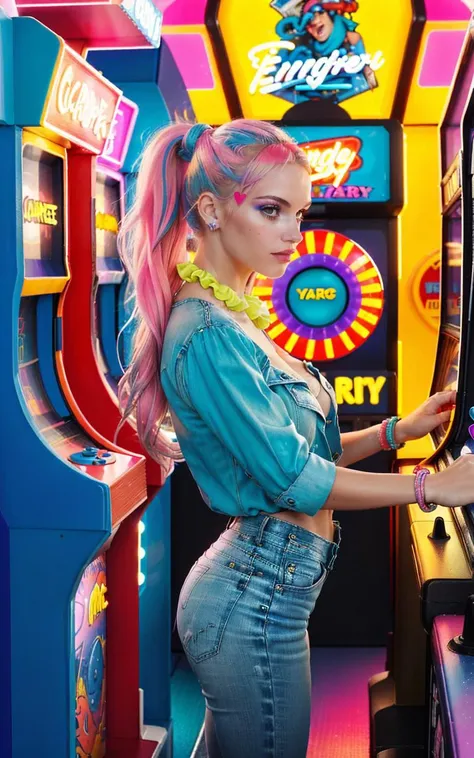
254, 438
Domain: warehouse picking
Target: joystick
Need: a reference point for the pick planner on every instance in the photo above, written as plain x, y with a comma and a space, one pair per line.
463, 644
439, 533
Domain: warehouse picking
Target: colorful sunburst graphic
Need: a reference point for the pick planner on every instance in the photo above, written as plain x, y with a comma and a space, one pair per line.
328, 302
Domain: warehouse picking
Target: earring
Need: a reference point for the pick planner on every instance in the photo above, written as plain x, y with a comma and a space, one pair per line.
213, 226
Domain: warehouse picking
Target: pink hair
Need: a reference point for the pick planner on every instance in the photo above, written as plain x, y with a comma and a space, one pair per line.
153, 241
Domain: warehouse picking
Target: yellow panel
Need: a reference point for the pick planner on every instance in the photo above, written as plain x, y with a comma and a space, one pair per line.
253, 46
262, 291
328, 346
366, 289
371, 318
417, 339
210, 105
369, 274
346, 250
291, 342
426, 104
310, 242
347, 341
372, 302
273, 318
276, 331
328, 243
310, 348
362, 331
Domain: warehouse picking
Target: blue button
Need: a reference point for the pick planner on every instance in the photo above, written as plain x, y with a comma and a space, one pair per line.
317, 296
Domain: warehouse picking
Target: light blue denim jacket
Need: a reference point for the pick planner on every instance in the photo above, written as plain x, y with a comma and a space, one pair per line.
254, 438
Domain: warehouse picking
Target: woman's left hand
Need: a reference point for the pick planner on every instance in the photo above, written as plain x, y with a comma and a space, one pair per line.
433, 412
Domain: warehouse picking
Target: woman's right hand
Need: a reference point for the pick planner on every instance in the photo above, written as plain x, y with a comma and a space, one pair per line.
454, 486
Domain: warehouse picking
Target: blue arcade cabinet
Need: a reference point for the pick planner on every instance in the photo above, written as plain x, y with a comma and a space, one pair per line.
65, 492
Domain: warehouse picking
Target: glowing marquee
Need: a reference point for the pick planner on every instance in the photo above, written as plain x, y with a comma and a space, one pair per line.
332, 160
274, 72
82, 104
37, 212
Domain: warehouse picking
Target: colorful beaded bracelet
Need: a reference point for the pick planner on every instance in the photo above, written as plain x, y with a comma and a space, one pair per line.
387, 434
420, 476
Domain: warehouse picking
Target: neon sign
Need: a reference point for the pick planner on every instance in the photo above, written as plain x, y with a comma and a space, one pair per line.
148, 18
82, 104
332, 160
37, 212
120, 134
312, 75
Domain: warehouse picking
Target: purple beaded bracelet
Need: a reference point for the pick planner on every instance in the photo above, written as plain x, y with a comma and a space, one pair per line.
420, 476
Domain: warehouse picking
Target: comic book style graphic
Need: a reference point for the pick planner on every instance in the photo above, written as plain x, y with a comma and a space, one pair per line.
320, 53
90, 630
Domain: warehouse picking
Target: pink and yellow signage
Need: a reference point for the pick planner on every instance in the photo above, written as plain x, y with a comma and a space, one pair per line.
116, 147
186, 34
81, 104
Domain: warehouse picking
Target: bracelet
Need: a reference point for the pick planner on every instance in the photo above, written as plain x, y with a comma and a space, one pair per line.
420, 476
387, 434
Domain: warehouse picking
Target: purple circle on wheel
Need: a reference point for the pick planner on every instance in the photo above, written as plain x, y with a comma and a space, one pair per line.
317, 260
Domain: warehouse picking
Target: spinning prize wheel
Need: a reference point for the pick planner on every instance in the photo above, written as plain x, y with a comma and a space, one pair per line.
328, 302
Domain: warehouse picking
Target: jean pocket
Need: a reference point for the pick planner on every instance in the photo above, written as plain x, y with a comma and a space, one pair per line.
195, 575
203, 619
303, 577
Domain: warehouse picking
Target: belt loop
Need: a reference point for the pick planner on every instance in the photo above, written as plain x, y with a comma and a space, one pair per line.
333, 557
258, 538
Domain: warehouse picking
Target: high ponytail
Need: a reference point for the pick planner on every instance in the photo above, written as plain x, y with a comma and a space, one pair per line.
180, 163
152, 241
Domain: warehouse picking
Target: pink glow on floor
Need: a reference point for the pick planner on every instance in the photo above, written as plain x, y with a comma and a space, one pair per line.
340, 701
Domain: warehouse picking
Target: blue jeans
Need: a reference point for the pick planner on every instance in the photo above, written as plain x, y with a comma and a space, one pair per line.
242, 619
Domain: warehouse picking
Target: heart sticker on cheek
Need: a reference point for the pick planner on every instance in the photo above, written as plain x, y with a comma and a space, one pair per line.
239, 197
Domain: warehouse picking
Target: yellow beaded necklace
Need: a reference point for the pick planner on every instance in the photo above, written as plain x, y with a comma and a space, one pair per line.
254, 307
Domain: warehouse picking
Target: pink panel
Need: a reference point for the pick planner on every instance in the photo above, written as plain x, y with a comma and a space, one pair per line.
446, 10
440, 58
190, 55
185, 12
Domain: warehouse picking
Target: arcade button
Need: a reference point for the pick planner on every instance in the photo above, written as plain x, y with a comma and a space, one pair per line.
92, 456
463, 644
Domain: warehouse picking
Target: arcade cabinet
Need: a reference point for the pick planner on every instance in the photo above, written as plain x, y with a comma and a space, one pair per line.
80, 492
435, 551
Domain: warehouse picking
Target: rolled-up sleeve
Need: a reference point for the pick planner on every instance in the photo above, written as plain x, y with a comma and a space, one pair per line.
220, 378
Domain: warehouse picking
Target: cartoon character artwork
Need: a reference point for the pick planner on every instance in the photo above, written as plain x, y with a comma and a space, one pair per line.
319, 54
90, 605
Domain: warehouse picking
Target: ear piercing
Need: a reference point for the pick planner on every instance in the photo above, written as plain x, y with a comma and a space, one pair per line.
213, 226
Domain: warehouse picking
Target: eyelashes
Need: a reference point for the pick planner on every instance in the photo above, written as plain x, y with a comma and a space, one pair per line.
273, 212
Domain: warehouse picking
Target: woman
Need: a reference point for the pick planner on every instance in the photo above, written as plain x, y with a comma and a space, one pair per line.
257, 427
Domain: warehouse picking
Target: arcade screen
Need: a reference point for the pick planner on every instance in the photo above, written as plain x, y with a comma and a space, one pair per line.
447, 362
43, 222
107, 220
49, 423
